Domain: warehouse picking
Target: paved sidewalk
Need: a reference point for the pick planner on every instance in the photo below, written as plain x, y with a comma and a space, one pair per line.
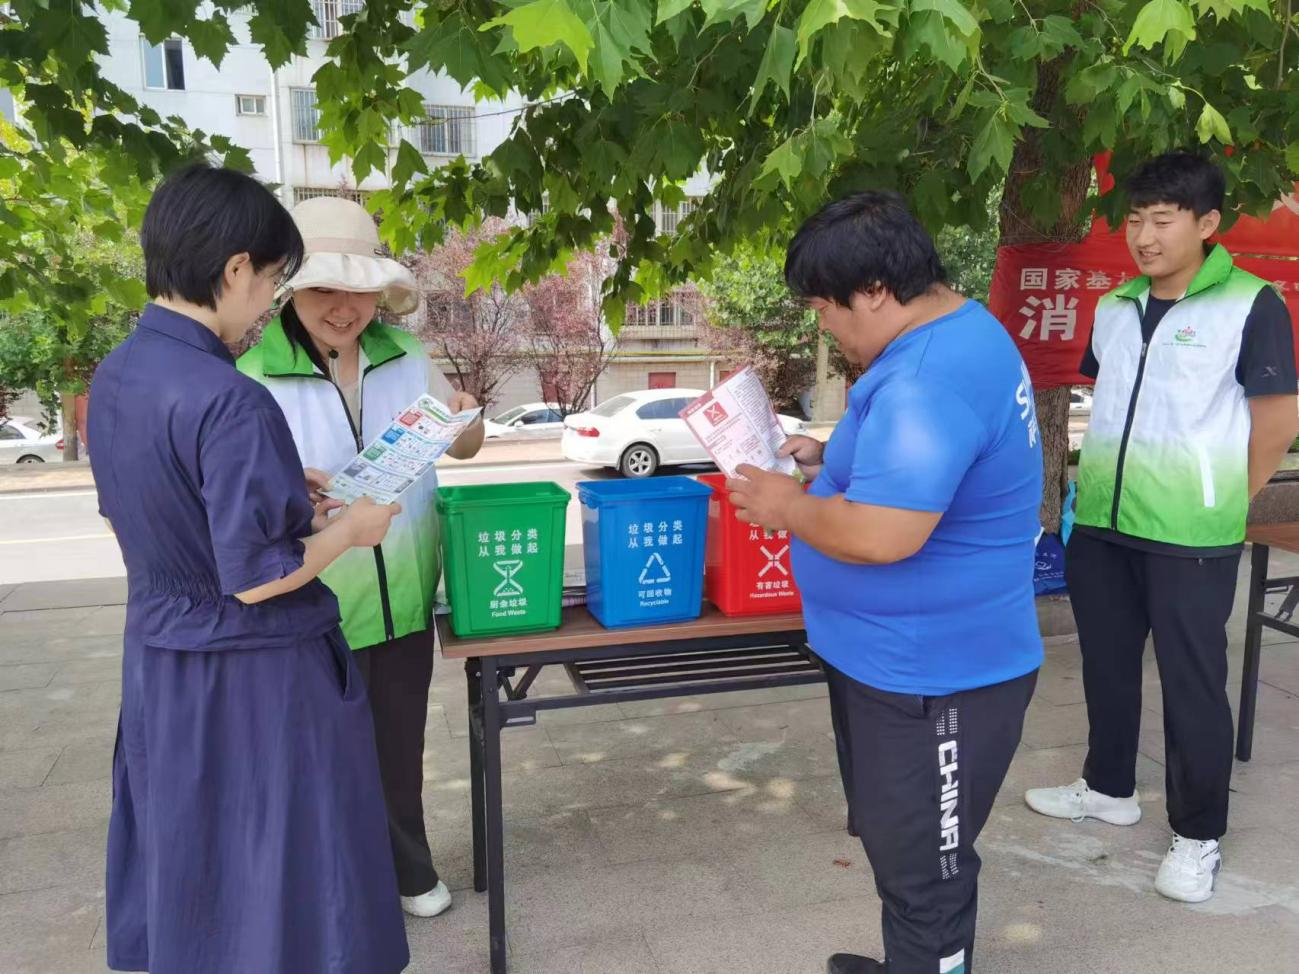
694, 836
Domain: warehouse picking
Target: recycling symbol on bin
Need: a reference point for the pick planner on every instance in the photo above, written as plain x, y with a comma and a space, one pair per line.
773, 561
655, 571
507, 570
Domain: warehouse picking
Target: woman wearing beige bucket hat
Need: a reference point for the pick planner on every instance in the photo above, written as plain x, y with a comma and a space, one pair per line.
340, 377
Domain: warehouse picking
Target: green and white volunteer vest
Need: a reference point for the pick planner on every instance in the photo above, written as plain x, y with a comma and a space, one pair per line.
386, 592
1166, 455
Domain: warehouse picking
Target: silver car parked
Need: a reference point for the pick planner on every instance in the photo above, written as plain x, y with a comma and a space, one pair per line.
22, 441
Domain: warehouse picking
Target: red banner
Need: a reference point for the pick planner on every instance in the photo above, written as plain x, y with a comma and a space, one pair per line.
1045, 295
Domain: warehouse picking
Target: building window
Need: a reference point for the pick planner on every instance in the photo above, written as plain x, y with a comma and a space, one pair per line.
250, 104
444, 312
669, 312
328, 13
668, 218
662, 380
301, 193
164, 64
449, 131
306, 117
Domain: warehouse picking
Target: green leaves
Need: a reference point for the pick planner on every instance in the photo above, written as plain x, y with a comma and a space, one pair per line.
543, 23
820, 14
1087, 84
74, 37
802, 161
1212, 125
785, 161
212, 38
945, 28
620, 30
409, 163
1226, 9
995, 144
720, 11
672, 147
777, 63
951, 10
453, 45
626, 101
1169, 22
280, 26
670, 8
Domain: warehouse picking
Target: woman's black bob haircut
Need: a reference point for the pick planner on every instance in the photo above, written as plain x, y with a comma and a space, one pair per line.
860, 242
1185, 179
200, 217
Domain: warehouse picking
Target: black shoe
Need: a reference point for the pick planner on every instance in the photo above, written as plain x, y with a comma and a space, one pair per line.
852, 964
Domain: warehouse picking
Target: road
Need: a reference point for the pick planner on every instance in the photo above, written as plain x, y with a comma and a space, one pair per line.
57, 536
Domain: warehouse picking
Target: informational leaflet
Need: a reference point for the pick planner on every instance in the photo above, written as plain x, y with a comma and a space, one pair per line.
403, 453
737, 424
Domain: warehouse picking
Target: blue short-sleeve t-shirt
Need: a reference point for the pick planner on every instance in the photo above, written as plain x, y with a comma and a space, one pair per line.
943, 421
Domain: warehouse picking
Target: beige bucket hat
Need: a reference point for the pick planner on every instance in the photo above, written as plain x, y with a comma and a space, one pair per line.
342, 251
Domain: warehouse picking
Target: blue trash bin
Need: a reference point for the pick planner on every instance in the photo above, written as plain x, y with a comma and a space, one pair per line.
644, 548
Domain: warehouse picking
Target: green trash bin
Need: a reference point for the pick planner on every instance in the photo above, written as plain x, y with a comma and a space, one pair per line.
503, 556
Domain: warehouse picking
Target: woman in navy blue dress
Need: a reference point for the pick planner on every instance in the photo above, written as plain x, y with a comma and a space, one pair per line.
248, 831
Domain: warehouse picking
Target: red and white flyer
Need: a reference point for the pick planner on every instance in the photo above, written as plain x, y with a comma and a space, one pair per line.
737, 424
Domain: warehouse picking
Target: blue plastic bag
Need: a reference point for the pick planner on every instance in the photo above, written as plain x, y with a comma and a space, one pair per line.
1048, 565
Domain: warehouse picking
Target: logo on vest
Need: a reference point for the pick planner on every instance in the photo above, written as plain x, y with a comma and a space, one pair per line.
1186, 337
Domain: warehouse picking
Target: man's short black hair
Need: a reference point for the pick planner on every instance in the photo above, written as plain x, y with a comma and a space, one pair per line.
200, 217
1188, 181
859, 242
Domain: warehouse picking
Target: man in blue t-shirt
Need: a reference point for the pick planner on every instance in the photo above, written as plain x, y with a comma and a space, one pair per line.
914, 553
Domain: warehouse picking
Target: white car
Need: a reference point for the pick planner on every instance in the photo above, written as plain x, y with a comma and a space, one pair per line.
1080, 401
638, 432
533, 417
21, 441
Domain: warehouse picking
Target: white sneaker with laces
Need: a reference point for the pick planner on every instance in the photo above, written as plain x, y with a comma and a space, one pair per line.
433, 903
1077, 802
1190, 870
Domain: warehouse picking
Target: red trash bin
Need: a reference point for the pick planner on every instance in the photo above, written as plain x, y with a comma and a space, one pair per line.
746, 570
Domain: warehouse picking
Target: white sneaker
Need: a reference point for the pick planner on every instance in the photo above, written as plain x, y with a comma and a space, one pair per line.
433, 903
1077, 802
1190, 870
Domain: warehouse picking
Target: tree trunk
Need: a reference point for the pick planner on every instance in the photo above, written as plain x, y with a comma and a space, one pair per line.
70, 439
821, 401
1017, 226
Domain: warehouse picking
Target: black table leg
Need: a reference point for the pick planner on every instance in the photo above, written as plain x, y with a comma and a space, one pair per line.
495, 838
472, 676
1253, 648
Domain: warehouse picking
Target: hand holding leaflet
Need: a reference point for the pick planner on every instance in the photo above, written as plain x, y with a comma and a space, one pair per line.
737, 424
403, 453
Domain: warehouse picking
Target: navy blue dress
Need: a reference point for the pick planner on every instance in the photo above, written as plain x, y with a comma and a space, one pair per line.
248, 831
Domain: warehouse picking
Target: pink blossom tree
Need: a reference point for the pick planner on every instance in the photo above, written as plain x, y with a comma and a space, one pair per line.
481, 334
567, 340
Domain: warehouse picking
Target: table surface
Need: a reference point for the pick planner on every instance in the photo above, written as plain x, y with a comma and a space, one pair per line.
1284, 537
578, 629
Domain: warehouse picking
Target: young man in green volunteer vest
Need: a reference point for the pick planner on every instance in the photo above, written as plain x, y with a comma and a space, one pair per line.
1194, 408
340, 377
